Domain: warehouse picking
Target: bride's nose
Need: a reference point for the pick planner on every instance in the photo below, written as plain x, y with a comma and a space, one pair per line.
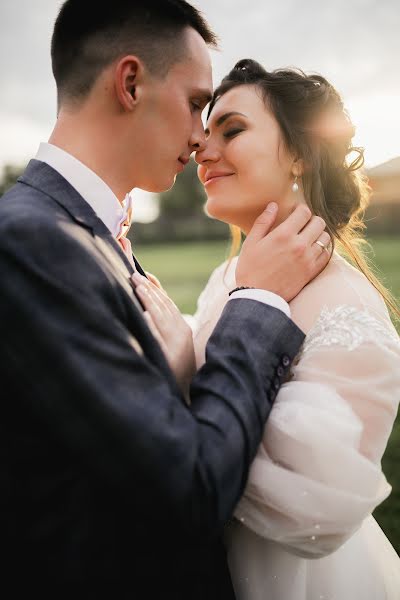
208, 153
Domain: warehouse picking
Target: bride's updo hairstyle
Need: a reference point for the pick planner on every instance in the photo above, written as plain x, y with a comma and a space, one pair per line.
316, 129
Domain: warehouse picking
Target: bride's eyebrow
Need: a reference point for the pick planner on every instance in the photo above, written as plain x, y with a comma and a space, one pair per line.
221, 120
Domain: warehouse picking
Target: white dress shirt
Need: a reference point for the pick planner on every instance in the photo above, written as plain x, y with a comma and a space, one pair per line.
89, 185
108, 208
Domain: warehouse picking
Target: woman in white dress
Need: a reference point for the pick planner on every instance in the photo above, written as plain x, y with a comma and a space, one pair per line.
303, 529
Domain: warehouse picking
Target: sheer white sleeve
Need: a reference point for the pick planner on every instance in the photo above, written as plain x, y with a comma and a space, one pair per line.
317, 474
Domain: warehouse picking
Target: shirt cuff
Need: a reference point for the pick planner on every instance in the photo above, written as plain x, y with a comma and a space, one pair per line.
264, 297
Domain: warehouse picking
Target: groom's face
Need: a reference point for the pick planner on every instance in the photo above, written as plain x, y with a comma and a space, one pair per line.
170, 117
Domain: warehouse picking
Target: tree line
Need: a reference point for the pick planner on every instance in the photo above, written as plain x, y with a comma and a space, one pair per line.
182, 216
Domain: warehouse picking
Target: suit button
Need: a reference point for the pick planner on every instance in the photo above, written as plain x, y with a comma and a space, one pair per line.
277, 384
280, 371
285, 361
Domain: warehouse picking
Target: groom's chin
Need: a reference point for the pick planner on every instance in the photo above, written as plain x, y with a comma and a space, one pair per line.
157, 186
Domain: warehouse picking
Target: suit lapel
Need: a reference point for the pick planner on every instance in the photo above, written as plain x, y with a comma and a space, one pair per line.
138, 266
61, 191
41, 176
48, 181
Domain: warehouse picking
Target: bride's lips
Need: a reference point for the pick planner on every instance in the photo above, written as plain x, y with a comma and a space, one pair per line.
213, 176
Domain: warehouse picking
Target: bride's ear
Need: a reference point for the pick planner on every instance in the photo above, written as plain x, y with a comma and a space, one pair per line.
298, 167
128, 78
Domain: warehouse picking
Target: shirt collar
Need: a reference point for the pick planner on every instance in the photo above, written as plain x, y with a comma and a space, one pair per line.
89, 185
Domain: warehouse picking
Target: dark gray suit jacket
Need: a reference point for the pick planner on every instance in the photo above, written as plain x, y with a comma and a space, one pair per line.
107, 477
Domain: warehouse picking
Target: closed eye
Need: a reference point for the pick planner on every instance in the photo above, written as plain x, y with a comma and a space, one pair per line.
232, 132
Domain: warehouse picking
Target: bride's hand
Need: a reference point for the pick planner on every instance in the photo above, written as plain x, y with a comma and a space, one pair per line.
155, 280
170, 330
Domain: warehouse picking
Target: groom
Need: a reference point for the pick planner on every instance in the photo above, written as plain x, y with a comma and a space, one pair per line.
111, 486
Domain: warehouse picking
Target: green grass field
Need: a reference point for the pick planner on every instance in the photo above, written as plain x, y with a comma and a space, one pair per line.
184, 270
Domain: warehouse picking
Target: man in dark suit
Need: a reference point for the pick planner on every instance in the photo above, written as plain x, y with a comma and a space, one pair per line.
112, 486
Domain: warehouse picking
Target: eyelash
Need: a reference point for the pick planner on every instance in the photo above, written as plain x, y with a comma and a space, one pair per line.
195, 107
232, 132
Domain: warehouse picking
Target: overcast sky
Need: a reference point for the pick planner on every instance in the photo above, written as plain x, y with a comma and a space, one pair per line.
354, 43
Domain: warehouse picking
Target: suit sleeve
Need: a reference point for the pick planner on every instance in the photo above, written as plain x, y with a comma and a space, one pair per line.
66, 338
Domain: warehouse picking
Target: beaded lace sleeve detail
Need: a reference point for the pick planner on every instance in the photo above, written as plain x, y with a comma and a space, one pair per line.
348, 327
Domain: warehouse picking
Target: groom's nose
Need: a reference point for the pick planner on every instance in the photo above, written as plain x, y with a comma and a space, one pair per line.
197, 140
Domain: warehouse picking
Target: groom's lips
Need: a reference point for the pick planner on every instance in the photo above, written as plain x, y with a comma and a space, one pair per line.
184, 161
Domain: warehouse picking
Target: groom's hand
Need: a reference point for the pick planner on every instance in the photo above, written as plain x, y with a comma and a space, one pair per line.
285, 259
169, 328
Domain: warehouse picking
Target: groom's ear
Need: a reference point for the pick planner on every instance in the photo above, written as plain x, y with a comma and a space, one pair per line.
129, 74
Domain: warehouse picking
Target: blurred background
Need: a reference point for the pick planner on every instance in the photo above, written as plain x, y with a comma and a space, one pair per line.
355, 45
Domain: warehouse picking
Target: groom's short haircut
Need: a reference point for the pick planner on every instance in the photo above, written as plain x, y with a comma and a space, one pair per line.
90, 34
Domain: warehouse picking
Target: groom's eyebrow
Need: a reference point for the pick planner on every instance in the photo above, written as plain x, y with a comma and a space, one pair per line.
221, 120
204, 95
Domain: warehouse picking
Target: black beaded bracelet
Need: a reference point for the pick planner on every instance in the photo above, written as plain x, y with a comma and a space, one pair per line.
242, 287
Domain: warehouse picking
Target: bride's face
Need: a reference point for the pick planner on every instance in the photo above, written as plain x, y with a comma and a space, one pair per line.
245, 163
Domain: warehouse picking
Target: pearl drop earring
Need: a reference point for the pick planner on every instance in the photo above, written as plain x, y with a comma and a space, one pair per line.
295, 186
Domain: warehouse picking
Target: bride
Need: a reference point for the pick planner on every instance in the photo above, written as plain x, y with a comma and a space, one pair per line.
303, 529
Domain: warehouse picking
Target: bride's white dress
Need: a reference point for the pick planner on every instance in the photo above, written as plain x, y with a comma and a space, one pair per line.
303, 529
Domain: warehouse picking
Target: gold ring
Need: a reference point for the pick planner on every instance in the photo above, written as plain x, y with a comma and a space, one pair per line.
320, 244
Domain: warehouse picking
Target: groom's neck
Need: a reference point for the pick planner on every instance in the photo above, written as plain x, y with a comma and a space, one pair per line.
80, 134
